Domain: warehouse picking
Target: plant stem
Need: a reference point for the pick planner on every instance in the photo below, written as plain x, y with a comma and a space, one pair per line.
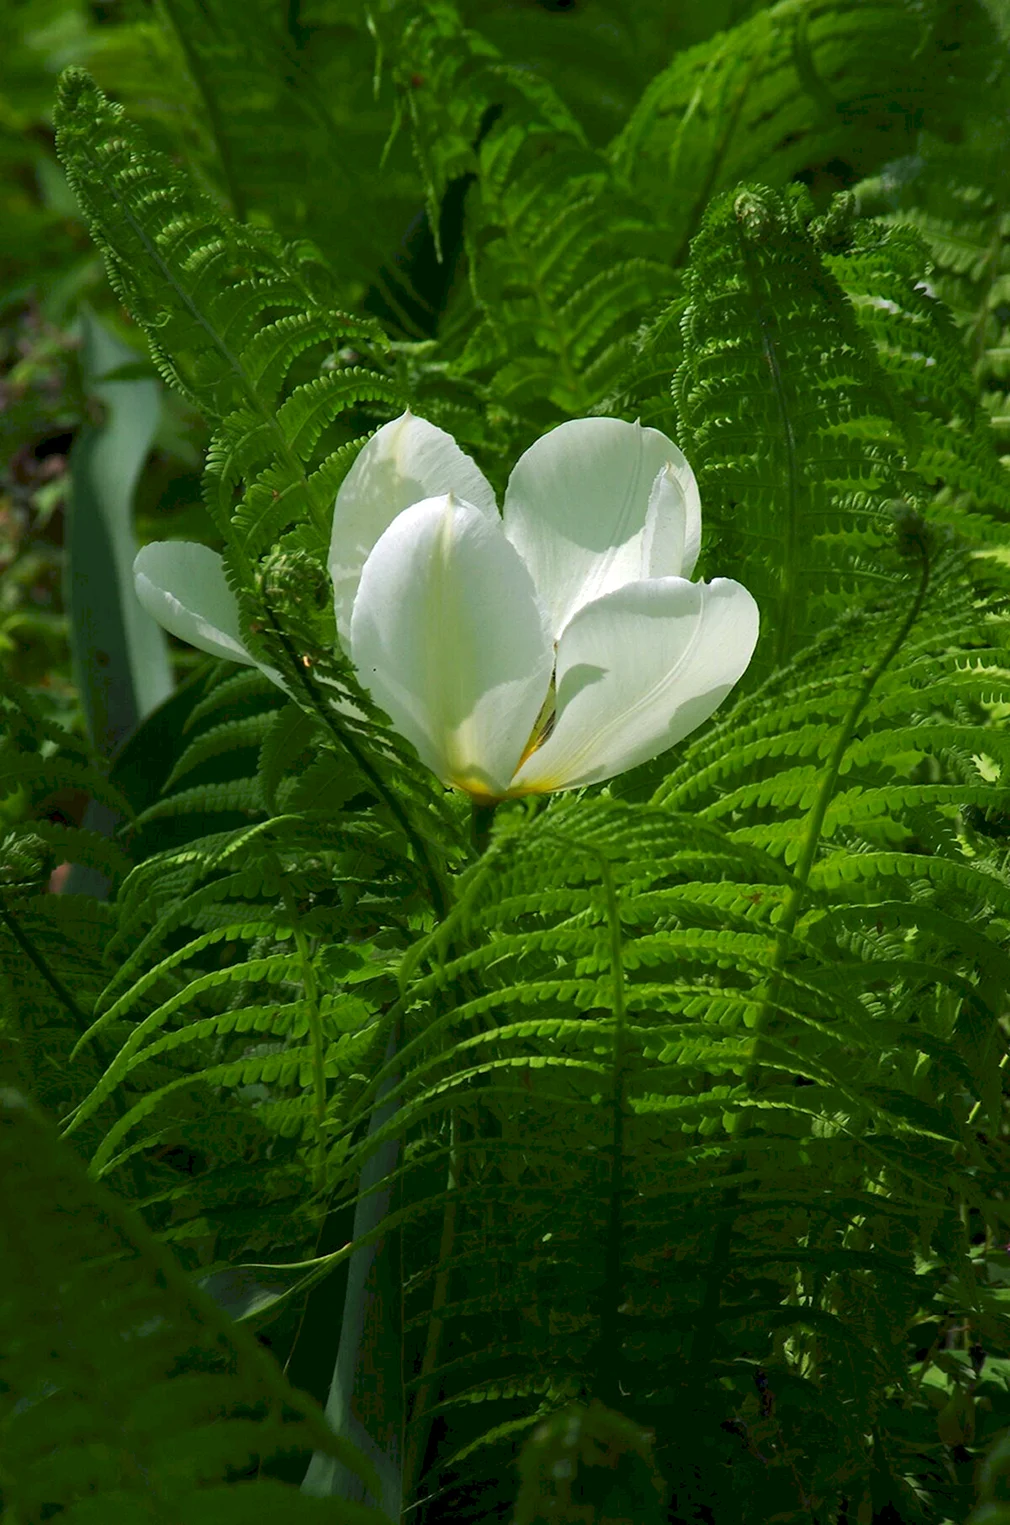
704, 1341
318, 1047
481, 818
417, 1432
436, 892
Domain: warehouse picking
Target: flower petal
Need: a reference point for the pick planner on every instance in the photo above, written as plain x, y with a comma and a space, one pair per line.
182, 585
576, 508
638, 670
404, 462
672, 536
449, 637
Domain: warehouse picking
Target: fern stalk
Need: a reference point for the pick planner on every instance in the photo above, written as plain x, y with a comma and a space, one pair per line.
825, 794
737, 1125
317, 1040
787, 579
608, 1369
481, 821
436, 891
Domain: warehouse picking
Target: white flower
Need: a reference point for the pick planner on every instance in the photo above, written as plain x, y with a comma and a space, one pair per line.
462, 623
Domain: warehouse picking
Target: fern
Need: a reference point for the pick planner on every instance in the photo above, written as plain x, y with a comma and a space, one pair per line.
798, 449
51, 946
551, 283
685, 1096
226, 323
953, 195
522, 1068
792, 87
950, 442
114, 1367
269, 102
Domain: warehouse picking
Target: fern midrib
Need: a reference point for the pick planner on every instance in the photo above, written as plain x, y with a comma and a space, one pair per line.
826, 791
738, 1125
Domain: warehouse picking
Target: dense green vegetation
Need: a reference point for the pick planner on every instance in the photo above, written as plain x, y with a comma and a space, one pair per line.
641, 1156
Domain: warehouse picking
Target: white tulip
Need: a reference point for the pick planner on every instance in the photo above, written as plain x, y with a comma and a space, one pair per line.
463, 624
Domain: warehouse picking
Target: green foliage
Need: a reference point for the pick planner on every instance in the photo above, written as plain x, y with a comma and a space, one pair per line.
953, 193
568, 1463
281, 89
808, 462
127, 1394
797, 85
225, 318
679, 1111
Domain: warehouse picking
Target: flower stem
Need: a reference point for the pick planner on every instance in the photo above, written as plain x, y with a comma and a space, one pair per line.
436, 890
481, 818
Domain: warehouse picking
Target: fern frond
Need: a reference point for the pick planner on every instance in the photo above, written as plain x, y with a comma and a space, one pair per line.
561, 263
953, 195
212, 298
884, 271
796, 446
780, 92
114, 1364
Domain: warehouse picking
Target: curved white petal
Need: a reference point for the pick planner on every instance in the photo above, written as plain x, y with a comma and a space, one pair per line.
671, 539
404, 462
637, 671
576, 508
449, 637
182, 585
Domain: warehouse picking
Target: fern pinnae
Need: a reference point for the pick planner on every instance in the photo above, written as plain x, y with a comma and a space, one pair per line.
223, 738
238, 794
312, 1006
36, 957
829, 781
178, 956
346, 741
225, 687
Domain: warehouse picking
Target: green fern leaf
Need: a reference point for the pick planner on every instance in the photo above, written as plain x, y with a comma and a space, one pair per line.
113, 1364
